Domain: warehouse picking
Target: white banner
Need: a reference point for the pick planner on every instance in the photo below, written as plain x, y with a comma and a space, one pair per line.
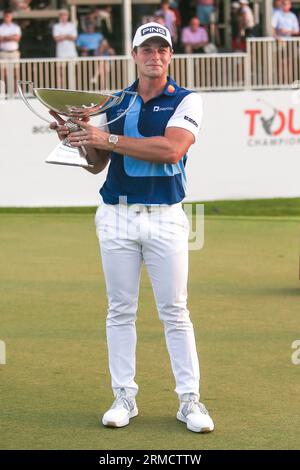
248, 147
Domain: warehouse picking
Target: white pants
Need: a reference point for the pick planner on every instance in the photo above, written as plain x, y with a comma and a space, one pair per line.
129, 236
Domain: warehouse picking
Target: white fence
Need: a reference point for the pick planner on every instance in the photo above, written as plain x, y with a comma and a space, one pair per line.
267, 63
273, 63
199, 72
82, 73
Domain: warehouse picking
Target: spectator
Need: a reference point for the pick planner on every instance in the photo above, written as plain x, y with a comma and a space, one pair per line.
194, 37
284, 22
10, 35
86, 20
276, 6
205, 9
170, 19
237, 43
141, 11
160, 19
207, 14
246, 20
65, 34
92, 43
142, 14
40, 4
103, 17
20, 5
174, 6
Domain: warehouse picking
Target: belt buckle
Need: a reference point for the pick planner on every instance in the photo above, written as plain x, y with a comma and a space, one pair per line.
137, 210
143, 208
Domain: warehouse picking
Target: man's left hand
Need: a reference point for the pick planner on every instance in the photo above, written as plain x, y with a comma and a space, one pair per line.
90, 136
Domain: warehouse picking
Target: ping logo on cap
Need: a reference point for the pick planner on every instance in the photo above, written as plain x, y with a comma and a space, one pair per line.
153, 29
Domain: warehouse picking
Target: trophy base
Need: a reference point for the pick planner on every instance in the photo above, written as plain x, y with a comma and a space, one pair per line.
66, 155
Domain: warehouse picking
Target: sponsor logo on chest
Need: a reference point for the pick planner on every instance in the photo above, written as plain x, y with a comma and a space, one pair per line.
120, 111
161, 108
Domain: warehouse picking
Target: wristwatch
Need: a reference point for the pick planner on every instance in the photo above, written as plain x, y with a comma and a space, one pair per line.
113, 139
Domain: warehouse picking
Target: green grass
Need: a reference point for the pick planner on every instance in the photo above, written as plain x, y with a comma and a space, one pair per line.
251, 207
244, 300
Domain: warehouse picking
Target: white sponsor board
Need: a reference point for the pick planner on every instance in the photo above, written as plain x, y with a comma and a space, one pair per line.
248, 147
25, 178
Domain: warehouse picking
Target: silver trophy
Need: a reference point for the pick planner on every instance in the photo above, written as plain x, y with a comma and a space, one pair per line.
77, 105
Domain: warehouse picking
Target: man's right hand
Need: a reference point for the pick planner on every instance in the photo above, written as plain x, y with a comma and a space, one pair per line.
59, 126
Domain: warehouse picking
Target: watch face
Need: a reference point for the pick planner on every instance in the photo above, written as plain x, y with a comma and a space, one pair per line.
113, 139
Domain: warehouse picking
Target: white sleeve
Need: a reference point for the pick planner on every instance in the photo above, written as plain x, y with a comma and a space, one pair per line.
18, 30
102, 122
274, 20
188, 114
295, 24
55, 31
74, 30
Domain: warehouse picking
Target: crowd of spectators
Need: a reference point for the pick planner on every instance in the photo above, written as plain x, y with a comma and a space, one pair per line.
194, 26
89, 42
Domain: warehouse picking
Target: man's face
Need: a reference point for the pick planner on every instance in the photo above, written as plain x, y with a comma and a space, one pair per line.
153, 58
7, 18
90, 29
64, 17
286, 6
194, 24
165, 6
160, 20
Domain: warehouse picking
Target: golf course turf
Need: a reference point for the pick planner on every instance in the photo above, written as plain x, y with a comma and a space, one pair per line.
244, 297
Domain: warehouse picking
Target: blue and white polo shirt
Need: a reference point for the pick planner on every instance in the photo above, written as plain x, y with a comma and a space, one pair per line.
140, 181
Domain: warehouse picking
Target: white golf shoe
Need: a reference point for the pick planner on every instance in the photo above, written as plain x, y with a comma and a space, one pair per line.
194, 414
123, 408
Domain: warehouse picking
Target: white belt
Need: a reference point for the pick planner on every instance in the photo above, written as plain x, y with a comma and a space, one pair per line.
138, 208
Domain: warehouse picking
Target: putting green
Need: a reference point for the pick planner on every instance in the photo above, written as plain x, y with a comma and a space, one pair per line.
244, 301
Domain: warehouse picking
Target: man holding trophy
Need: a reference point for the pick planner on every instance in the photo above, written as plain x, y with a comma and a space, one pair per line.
140, 219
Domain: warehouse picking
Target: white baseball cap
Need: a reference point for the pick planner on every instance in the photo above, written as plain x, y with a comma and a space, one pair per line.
151, 30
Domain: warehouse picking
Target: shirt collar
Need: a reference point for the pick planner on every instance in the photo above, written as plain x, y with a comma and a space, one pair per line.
170, 89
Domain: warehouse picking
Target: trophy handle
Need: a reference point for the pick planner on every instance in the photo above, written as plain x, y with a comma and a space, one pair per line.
29, 84
120, 99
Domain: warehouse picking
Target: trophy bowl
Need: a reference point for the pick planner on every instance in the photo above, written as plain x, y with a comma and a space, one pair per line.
72, 103
77, 105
